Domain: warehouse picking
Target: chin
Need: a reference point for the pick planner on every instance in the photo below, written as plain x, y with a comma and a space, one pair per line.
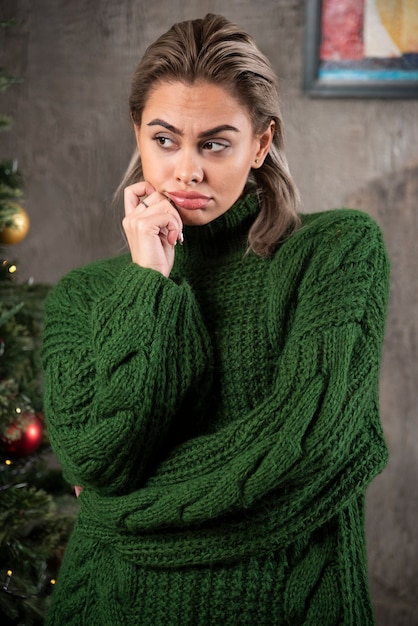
198, 217
195, 218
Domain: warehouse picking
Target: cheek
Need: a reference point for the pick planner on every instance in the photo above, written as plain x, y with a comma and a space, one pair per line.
153, 170
243, 165
231, 186
236, 175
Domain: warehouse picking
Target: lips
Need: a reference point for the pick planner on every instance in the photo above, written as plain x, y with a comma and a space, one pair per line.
189, 199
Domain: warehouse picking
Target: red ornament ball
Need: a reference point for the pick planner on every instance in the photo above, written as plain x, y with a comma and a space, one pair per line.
23, 436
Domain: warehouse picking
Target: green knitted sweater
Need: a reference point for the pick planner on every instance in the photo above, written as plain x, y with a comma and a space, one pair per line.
224, 424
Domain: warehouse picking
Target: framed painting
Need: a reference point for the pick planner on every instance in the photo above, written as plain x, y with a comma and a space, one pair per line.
361, 48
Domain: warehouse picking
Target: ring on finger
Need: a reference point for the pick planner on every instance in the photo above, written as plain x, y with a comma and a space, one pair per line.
144, 203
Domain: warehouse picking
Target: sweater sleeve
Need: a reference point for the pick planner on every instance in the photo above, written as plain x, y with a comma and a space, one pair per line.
120, 356
315, 443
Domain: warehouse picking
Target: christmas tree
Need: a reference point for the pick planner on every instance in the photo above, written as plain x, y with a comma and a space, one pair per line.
36, 510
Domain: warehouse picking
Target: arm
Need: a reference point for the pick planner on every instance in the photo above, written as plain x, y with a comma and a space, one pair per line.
121, 351
316, 442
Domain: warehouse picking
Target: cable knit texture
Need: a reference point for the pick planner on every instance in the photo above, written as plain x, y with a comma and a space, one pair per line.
224, 424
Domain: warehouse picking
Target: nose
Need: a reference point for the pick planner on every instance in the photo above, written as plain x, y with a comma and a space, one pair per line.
188, 167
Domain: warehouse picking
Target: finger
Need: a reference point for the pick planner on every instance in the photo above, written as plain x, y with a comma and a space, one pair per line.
165, 211
134, 193
179, 236
169, 227
174, 235
155, 220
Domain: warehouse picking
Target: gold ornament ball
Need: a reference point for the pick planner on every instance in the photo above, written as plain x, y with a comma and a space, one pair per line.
18, 230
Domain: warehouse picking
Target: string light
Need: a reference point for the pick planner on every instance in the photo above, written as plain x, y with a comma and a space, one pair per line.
5, 587
8, 579
12, 268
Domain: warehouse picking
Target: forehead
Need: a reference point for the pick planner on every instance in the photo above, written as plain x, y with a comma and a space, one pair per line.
199, 104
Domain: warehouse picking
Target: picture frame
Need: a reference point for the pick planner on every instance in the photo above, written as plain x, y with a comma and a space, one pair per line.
328, 70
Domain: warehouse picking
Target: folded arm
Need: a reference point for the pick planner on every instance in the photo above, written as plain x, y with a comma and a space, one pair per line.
315, 443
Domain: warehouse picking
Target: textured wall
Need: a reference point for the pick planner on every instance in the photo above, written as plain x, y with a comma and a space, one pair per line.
392, 498
73, 141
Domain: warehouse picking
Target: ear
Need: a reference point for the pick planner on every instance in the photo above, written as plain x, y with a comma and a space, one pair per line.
263, 145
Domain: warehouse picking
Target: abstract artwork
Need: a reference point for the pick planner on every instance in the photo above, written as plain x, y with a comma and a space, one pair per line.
361, 48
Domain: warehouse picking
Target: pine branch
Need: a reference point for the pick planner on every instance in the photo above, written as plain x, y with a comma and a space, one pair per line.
7, 23
6, 80
9, 174
5, 122
5, 316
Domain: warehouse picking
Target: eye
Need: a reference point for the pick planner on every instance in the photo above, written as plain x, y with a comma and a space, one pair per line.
163, 141
214, 146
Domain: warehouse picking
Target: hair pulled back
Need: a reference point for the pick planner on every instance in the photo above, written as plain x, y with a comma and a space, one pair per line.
216, 51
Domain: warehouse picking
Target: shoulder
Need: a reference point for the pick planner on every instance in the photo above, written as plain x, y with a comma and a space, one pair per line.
332, 265
343, 249
342, 244
339, 221
105, 267
83, 283
337, 233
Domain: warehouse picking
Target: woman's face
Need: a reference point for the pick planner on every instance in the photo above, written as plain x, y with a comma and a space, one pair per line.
197, 148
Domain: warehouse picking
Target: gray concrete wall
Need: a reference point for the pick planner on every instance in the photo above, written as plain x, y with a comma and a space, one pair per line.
73, 140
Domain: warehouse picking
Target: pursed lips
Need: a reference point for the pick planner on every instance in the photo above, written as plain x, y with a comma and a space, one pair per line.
189, 199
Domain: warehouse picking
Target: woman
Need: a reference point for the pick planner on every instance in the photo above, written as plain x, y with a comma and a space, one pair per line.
216, 401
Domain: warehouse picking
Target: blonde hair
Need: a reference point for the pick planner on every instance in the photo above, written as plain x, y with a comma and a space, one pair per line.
216, 51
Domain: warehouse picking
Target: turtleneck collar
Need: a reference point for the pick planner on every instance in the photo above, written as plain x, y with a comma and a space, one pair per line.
226, 233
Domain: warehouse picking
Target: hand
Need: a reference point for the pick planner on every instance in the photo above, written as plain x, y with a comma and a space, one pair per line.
152, 226
77, 490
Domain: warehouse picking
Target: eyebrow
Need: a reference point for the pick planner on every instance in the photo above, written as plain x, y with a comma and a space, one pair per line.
206, 133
